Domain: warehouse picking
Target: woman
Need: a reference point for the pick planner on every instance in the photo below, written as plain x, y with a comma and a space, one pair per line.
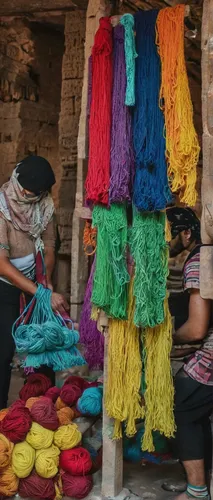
26, 229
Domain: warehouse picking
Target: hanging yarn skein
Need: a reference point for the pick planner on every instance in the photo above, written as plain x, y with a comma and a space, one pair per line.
159, 393
97, 181
122, 156
127, 20
182, 146
111, 276
90, 337
151, 191
122, 398
150, 253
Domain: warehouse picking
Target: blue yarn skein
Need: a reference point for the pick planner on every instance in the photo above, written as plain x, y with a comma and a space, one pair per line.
45, 338
90, 403
151, 190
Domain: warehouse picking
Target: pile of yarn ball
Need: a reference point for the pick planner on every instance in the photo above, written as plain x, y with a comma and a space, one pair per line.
40, 444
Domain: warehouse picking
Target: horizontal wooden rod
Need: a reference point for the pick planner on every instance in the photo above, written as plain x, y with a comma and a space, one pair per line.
116, 19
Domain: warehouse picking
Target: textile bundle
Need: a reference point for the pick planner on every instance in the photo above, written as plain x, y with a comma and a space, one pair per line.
111, 275
122, 156
150, 253
30, 467
97, 182
151, 190
182, 147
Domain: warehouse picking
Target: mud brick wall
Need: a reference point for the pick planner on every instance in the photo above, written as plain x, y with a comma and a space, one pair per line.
72, 81
30, 88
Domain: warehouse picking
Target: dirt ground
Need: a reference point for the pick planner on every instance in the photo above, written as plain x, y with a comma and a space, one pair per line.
143, 481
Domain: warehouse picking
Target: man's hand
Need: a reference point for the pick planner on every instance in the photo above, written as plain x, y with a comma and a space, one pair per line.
59, 303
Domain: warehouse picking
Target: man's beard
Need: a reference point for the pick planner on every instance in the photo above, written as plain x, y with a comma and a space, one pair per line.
179, 247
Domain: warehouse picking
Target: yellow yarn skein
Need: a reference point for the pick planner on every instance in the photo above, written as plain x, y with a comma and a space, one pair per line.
6, 448
47, 462
23, 459
67, 437
39, 437
8, 483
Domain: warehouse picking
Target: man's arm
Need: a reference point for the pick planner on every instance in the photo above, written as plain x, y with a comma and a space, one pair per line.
196, 327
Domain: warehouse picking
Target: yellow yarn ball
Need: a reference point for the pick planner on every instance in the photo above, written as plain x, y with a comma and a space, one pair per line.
39, 437
67, 437
6, 448
23, 459
47, 462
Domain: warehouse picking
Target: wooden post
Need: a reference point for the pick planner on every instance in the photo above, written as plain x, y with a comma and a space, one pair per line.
206, 254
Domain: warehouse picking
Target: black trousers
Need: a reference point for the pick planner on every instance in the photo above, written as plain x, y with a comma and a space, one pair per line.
9, 312
193, 407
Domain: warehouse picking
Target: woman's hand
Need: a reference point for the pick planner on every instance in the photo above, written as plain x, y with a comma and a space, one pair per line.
59, 303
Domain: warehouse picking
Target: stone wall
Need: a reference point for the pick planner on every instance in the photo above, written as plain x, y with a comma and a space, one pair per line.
72, 80
30, 88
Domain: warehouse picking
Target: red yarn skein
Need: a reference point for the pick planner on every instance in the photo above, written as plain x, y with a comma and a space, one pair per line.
35, 486
37, 384
76, 461
70, 393
44, 413
76, 486
16, 423
53, 393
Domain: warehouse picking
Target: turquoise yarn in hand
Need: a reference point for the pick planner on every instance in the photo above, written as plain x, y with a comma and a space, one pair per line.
44, 337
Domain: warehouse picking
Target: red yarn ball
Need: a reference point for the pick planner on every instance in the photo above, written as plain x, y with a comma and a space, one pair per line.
53, 393
35, 486
76, 461
16, 423
37, 384
74, 379
70, 393
76, 486
44, 413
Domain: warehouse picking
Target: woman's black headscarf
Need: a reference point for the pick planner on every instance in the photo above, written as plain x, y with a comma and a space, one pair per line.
181, 219
35, 174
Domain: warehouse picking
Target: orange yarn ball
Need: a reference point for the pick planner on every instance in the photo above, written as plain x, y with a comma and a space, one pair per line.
3, 413
59, 404
30, 402
65, 415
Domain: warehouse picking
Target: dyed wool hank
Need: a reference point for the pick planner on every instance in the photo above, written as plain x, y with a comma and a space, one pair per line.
90, 336
151, 190
97, 181
182, 147
122, 398
159, 393
111, 276
127, 21
150, 253
122, 157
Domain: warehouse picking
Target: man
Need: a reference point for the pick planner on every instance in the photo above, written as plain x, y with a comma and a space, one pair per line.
194, 378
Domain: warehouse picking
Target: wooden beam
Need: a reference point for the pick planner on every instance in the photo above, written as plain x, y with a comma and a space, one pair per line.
206, 254
24, 6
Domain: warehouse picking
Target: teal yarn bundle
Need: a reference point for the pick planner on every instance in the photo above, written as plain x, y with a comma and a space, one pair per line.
110, 283
127, 22
150, 253
132, 447
43, 337
151, 189
90, 403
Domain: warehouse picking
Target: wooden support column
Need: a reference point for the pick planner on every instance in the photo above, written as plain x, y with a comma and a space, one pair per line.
112, 470
206, 255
